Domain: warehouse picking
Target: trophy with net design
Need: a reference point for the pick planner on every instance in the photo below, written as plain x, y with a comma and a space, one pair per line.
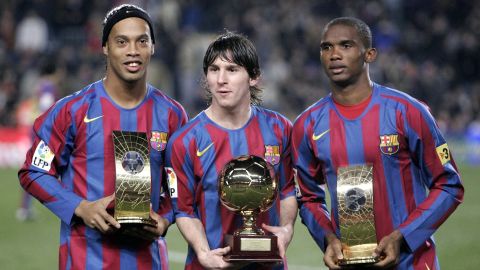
132, 183
355, 214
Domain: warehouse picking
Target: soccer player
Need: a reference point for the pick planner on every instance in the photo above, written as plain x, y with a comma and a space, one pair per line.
70, 167
362, 122
232, 125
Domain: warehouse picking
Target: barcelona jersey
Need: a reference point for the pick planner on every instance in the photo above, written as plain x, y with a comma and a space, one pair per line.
199, 151
72, 159
397, 135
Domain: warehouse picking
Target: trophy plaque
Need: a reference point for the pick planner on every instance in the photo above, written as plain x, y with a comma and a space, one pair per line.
355, 214
247, 185
132, 183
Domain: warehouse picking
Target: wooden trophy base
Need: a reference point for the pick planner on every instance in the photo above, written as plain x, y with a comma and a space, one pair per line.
134, 228
252, 248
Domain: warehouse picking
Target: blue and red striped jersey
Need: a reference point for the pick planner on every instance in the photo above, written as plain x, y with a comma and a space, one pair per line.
197, 153
399, 137
72, 159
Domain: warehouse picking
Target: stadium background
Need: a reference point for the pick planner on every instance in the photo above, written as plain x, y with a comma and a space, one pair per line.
426, 48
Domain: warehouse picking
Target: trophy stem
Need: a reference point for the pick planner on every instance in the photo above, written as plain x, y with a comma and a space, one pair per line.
249, 224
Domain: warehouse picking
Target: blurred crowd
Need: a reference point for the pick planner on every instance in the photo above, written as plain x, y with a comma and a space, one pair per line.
426, 48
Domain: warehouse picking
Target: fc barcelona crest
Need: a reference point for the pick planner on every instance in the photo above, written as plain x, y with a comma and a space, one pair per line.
158, 141
389, 144
272, 154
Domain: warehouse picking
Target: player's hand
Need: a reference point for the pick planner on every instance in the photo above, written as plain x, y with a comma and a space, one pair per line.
389, 250
333, 254
94, 214
284, 235
155, 232
213, 259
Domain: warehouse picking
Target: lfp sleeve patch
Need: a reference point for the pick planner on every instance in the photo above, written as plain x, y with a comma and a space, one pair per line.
43, 157
172, 182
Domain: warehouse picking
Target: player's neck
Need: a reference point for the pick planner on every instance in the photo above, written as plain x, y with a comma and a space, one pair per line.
229, 119
352, 94
124, 94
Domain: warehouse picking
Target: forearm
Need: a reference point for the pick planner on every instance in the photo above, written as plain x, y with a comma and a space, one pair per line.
426, 218
194, 233
316, 219
51, 193
288, 212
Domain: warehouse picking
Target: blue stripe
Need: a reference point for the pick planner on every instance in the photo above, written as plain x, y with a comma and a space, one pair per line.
128, 259
95, 151
391, 168
267, 124
209, 185
354, 142
94, 254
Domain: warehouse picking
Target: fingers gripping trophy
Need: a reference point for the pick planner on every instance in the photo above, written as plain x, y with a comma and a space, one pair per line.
248, 186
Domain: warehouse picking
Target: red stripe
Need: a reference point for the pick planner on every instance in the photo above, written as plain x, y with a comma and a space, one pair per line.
78, 247
144, 258
110, 122
338, 146
405, 162
424, 256
163, 254
41, 194
370, 125
80, 162
144, 117
320, 217
177, 160
63, 257
256, 146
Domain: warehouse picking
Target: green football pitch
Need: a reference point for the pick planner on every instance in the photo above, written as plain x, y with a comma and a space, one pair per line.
34, 244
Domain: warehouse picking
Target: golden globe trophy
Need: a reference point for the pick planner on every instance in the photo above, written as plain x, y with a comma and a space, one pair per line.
355, 214
132, 183
247, 185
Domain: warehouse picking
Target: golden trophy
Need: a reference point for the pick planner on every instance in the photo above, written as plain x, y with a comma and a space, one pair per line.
355, 214
132, 183
247, 185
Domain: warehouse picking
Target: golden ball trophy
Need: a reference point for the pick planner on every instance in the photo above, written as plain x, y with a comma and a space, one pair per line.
248, 186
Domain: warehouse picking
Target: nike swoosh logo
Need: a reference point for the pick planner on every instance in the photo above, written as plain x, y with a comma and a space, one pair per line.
200, 153
316, 137
88, 120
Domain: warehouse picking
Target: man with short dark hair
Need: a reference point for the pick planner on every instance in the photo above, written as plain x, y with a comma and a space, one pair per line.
365, 124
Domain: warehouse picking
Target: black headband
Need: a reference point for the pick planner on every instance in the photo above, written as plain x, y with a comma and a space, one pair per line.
122, 12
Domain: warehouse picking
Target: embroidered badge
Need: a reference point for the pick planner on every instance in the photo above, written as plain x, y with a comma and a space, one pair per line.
158, 141
272, 154
389, 144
